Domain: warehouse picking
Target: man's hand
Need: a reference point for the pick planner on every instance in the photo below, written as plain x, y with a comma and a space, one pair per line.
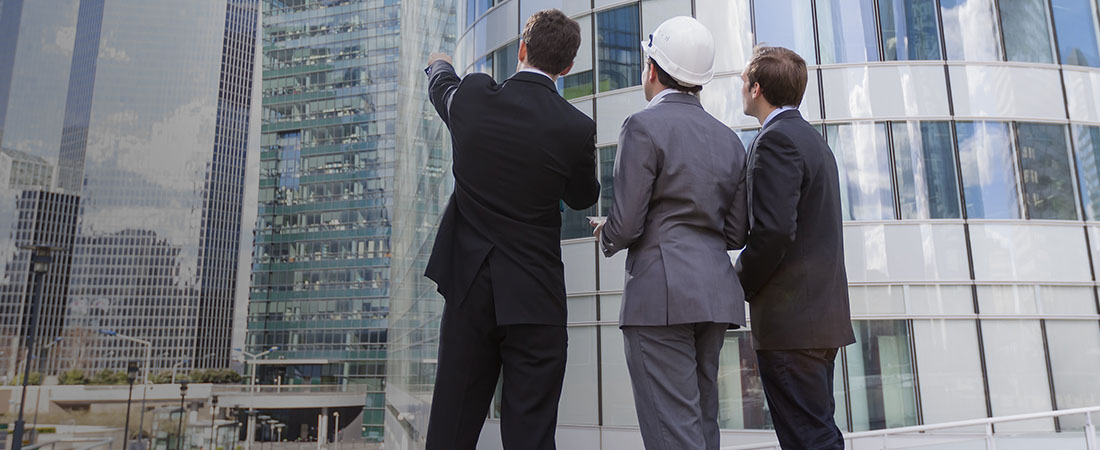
440, 57
597, 223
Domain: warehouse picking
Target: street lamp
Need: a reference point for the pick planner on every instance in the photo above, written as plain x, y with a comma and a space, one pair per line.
145, 384
251, 432
263, 421
271, 432
179, 431
38, 400
131, 374
213, 418
40, 264
336, 432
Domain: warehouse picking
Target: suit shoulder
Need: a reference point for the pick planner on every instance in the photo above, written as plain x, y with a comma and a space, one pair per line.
476, 79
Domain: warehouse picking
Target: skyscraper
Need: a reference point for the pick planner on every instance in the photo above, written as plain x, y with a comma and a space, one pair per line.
125, 126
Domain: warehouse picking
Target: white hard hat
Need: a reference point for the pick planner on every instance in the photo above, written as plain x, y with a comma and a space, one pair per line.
684, 48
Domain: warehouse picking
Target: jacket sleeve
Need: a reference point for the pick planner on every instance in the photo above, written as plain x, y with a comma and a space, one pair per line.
736, 228
777, 186
442, 85
636, 168
583, 188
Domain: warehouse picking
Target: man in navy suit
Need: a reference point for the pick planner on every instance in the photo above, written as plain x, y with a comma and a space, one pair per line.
792, 268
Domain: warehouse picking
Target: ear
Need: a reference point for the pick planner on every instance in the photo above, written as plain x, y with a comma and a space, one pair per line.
651, 72
566, 71
754, 91
522, 51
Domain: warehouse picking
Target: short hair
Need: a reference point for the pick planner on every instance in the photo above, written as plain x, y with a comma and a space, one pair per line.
552, 40
670, 82
781, 74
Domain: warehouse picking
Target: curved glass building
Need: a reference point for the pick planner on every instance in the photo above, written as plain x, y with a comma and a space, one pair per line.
968, 137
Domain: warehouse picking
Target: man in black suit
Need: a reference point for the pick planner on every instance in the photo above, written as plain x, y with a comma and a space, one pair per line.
792, 268
519, 149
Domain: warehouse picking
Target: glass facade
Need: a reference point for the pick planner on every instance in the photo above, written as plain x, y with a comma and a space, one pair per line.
970, 174
143, 186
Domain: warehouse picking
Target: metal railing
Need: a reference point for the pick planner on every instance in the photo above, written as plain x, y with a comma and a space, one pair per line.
293, 388
990, 439
51, 445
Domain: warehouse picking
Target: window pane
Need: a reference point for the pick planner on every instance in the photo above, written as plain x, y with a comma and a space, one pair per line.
970, 30
909, 29
927, 181
747, 136
786, 23
730, 22
864, 162
741, 402
575, 85
989, 177
847, 31
1016, 367
619, 49
1074, 363
505, 61
607, 184
880, 374
1075, 27
1026, 27
1048, 177
1087, 144
951, 382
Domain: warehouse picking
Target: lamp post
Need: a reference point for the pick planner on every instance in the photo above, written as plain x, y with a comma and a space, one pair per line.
145, 384
271, 432
251, 432
336, 431
40, 264
131, 374
263, 421
213, 418
38, 400
179, 431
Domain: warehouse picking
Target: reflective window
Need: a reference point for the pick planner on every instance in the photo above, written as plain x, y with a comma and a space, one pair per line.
747, 136
618, 48
880, 376
863, 159
1026, 25
730, 22
909, 29
928, 186
1017, 372
1075, 27
970, 30
1046, 170
786, 23
1087, 145
475, 8
575, 85
950, 370
505, 61
988, 170
1074, 364
846, 29
607, 169
741, 404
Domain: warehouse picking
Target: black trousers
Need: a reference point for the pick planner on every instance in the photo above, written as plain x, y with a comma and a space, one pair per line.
473, 351
799, 387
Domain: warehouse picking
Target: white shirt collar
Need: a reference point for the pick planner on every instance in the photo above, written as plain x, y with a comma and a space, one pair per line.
777, 111
657, 98
538, 72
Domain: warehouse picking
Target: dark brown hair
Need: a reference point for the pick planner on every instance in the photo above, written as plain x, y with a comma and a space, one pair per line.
670, 82
552, 40
781, 74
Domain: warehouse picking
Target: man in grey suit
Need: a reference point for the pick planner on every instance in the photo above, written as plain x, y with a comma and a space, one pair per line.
679, 206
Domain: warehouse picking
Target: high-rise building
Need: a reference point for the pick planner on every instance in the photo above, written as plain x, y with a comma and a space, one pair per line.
968, 138
125, 129
350, 171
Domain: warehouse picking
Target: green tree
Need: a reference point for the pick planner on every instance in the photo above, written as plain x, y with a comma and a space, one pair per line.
108, 377
160, 377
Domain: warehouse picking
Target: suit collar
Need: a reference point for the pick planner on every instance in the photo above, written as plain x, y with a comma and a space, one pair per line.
680, 97
783, 115
537, 78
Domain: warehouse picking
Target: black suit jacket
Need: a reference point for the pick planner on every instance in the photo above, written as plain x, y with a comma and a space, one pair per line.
519, 149
792, 267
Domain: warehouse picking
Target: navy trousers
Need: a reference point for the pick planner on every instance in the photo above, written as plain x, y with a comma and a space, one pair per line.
798, 385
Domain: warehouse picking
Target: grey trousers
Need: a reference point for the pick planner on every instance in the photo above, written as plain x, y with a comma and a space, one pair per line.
674, 371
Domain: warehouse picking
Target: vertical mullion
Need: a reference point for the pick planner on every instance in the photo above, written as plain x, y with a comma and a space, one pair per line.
1014, 129
916, 371
1050, 375
893, 167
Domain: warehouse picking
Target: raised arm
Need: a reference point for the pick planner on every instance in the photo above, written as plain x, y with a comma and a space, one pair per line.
442, 84
636, 169
777, 187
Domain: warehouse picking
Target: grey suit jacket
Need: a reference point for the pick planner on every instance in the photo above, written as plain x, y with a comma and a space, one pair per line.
679, 206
